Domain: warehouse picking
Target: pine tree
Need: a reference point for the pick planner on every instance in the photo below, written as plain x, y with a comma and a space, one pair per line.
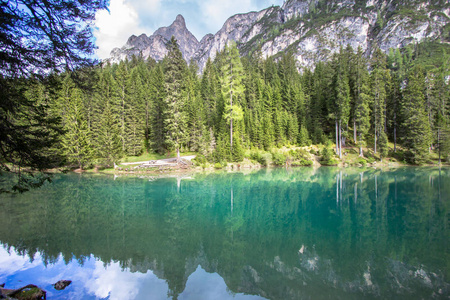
134, 113
76, 140
109, 138
416, 128
379, 79
232, 87
303, 138
175, 117
157, 115
362, 100
210, 91
122, 78
196, 117
342, 97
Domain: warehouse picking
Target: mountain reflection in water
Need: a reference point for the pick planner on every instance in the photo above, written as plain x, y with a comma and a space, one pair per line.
276, 234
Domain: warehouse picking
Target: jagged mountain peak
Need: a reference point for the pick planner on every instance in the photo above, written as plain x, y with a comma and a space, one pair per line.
312, 29
179, 21
154, 46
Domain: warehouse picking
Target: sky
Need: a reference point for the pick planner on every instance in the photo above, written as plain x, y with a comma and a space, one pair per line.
127, 17
93, 279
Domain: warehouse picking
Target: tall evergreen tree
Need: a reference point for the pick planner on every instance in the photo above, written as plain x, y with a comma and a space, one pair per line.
109, 138
361, 94
135, 113
76, 140
175, 116
342, 97
232, 87
416, 128
379, 78
122, 77
157, 116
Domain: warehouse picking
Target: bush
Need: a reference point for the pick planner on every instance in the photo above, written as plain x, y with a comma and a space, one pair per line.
218, 165
279, 159
266, 159
302, 163
298, 154
370, 159
328, 157
199, 160
361, 161
262, 157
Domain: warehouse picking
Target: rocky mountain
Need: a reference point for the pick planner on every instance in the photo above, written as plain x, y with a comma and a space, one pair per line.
155, 45
312, 29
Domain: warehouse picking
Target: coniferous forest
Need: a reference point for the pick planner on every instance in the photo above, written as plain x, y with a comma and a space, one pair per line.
393, 104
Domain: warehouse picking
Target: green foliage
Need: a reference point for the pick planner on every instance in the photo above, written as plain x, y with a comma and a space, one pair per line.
262, 157
175, 116
416, 128
217, 165
361, 161
303, 137
76, 144
278, 158
383, 144
199, 160
38, 38
328, 158
302, 163
239, 104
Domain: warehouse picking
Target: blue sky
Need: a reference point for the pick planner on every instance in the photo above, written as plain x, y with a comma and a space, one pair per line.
127, 17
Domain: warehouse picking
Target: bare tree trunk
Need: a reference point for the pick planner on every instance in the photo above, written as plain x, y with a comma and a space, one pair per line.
439, 145
361, 153
340, 140
395, 133
231, 110
375, 144
337, 138
354, 130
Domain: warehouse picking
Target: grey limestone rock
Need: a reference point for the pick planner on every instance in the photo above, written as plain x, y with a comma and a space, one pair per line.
312, 29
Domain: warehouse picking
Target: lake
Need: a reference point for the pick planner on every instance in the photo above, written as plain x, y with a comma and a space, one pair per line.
303, 233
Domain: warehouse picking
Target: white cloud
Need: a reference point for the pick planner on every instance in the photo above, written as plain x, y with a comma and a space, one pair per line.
216, 13
114, 282
11, 262
113, 28
127, 17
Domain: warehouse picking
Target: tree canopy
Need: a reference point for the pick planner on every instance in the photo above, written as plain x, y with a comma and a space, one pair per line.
37, 38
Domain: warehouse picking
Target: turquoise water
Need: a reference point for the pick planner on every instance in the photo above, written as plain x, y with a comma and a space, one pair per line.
304, 233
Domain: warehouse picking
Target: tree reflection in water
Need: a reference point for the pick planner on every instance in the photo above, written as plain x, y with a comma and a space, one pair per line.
301, 233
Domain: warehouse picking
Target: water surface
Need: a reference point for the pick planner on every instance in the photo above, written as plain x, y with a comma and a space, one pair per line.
305, 233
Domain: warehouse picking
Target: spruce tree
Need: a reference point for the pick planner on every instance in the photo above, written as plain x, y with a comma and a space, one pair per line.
175, 116
110, 150
122, 77
134, 113
157, 115
342, 97
76, 141
379, 79
362, 100
232, 87
416, 128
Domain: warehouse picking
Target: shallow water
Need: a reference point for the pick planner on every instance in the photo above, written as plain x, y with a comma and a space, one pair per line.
304, 233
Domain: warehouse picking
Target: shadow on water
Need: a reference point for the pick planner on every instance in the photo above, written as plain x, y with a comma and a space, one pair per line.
280, 234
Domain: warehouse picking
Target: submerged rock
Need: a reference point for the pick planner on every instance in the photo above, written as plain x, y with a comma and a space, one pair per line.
62, 284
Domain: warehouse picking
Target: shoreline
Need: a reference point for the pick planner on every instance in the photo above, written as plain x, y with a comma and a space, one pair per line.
248, 167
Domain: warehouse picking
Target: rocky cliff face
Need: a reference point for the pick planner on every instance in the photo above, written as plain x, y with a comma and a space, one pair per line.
154, 46
312, 29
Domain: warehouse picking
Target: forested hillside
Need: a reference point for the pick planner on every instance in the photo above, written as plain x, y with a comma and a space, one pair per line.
244, 106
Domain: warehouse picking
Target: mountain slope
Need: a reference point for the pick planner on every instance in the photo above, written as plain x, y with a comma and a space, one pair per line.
312, 29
